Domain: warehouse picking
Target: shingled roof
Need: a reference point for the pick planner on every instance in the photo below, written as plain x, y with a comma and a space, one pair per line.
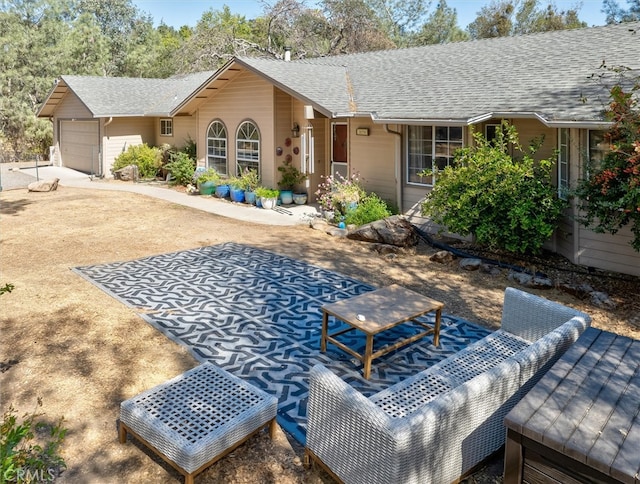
124, 96
544, 75
547, 76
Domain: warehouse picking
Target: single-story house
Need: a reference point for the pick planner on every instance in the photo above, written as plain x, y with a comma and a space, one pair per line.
385, 115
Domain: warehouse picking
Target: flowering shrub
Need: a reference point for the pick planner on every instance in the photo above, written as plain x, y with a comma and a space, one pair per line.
502, 201
338, 194
610, 195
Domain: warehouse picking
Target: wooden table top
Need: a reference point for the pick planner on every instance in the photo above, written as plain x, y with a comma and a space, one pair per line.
588, 405
382, 309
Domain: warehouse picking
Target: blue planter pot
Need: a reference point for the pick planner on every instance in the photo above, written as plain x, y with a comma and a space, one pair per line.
250, 197
237, 195
286, 196
222, 191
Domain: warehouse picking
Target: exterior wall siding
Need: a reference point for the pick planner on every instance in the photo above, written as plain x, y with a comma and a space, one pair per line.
247, 98
184, 128
608, 252
373, 157
122, 133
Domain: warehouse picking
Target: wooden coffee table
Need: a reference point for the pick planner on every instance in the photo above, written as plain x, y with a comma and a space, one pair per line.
378, 311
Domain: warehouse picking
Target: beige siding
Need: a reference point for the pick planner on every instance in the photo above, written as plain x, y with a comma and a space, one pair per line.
184, 128
373, 158
122, 133
248, 98
609, 252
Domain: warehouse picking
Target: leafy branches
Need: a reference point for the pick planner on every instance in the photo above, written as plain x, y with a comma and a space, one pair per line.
609, 195
503, 202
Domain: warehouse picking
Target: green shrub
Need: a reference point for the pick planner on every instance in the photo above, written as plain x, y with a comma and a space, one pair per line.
181, 167
263, 192
148, 160
369, 209
503, 202
190, 148
24, 455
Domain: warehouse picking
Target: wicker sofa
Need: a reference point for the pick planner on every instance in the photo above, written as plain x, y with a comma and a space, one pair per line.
437, 425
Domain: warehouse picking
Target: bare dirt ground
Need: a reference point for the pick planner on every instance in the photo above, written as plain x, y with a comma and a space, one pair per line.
83, 352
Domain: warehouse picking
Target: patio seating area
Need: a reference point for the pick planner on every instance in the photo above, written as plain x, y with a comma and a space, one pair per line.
437, 425
426, 414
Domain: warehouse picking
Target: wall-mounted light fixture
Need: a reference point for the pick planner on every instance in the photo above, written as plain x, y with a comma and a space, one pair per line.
295, 131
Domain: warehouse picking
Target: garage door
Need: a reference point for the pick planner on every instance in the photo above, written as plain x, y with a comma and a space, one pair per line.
79, 145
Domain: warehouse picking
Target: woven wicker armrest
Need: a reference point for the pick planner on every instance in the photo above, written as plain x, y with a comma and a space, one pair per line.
347, 432
531, 317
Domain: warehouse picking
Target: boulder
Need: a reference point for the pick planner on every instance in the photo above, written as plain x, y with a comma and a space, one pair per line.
470, 264
43, 185
527, 280
394, 230
442, 257
128, 173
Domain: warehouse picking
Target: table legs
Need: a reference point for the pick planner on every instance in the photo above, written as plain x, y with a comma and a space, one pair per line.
325, 331
368, 356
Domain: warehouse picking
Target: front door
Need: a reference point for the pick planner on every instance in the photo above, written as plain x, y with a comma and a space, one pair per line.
339, 149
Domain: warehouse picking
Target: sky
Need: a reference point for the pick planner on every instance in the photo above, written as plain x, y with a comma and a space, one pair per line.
188, 12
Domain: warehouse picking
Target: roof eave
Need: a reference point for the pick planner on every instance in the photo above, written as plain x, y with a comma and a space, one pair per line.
582, 124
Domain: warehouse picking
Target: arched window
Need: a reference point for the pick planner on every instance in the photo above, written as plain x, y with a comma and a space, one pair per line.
217, 147
248, 147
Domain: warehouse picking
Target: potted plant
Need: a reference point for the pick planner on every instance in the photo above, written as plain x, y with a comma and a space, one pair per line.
236, 189
207, 181
290, 176
268, 197
223, 189
250, 180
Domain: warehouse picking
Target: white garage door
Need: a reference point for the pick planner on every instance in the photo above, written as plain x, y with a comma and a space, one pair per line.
79, 145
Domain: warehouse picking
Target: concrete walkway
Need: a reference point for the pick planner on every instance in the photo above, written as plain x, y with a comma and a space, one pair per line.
285, 215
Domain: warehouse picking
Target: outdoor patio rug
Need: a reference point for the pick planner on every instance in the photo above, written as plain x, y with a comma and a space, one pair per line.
257, 315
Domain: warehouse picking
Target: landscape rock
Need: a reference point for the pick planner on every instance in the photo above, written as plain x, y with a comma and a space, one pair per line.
128, 173
581, 291
394, 230
442, 257
527, 280
490, 269
470, 264
43, 185
385, 249
602, 300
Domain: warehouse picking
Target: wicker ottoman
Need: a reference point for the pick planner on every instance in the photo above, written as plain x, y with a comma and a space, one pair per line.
198, 417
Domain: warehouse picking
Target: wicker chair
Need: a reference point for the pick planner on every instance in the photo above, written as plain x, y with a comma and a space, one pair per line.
439, 424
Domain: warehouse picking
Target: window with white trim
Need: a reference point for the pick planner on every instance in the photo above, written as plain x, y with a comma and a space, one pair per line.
563, 163
166, 127
217, 147
430, 148
598, 147
248, 147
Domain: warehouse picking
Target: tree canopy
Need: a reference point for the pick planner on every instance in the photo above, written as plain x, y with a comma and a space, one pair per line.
43, 39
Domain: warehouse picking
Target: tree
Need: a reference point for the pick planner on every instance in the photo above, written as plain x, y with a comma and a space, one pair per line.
616, 14
353, 27
441, 27
493, 20
32, 34
609, 195
514, 17
503, 202
400, 18
218, 36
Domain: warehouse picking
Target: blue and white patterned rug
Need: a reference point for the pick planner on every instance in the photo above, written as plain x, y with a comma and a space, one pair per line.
257, 315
